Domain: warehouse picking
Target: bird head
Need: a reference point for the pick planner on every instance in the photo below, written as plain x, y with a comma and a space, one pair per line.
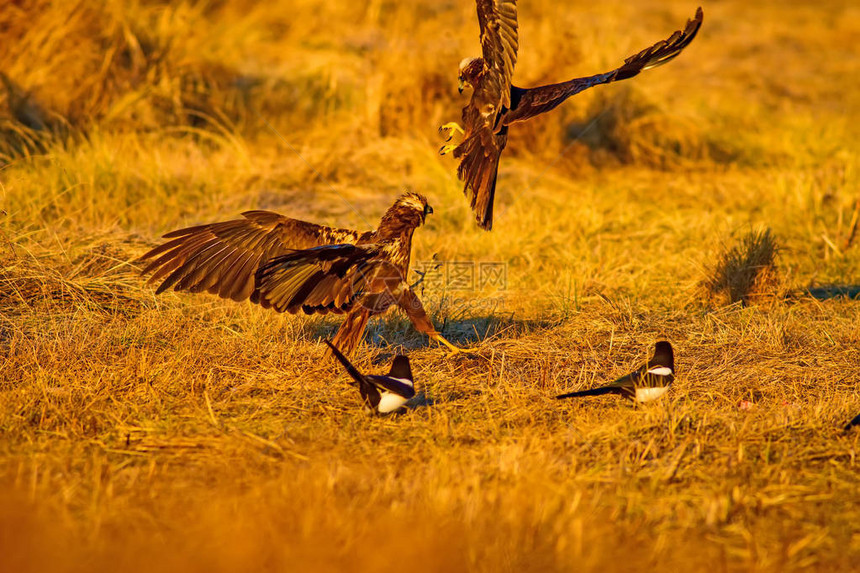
407, 214
413, 203
470, 70
663, 356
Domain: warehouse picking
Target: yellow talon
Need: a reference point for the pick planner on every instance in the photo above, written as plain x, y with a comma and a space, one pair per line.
446, 149
452, 127
441, 340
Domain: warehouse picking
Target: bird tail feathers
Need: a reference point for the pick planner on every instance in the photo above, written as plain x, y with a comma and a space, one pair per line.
351, 331
352, 370
479, 168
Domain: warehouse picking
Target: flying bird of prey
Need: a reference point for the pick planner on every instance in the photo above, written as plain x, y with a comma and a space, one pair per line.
291, 265
381, 394
496, 103
648, 382
852, 423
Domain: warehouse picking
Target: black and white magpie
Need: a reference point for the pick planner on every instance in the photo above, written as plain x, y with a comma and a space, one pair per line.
852, 423
381, 394
648, 382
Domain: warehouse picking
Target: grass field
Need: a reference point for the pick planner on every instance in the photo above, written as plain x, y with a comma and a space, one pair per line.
186, 433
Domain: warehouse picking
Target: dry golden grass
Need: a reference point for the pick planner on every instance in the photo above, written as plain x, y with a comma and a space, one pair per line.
746, 272
186, 433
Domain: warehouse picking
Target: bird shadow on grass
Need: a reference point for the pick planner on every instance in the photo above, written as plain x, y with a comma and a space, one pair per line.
422, 400
827, 292
394, 334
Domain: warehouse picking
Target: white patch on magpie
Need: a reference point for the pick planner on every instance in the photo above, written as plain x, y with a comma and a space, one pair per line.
389, 402
661, 371
406, 381
648, 394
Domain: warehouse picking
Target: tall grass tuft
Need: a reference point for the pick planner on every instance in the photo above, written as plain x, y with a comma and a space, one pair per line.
746, 272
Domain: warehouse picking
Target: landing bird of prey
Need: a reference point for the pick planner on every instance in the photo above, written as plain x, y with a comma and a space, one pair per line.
852, 423
496, 103
291, 265
648, 382
381, 394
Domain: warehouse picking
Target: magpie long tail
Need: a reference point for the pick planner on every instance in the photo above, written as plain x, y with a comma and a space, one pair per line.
346, 364
593, 392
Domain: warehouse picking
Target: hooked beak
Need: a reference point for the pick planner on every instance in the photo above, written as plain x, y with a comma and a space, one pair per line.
428, 210
461, 86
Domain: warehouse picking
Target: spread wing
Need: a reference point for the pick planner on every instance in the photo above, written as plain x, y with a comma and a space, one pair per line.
663, 51
222, 258
531, 102
499, 44
332, 278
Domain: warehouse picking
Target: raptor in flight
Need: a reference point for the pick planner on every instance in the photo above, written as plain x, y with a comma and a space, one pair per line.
496, 103
291, 265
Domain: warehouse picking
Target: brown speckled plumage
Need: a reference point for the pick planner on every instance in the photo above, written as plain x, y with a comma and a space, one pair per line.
293, 266
496, 103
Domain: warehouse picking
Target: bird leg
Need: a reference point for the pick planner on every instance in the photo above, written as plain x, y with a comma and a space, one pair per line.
441, 340
411, 304
451, 127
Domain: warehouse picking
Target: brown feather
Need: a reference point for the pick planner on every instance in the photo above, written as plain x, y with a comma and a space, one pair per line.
535, 101
292, 265
198, 258
496, 102
350, 332
499, 44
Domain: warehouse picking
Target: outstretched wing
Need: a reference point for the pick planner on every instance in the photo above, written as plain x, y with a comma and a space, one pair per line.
663, 51
531, 102
499, 44
332, 278
221, 258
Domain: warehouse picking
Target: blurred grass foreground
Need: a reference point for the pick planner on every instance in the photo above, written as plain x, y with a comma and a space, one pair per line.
701, 202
